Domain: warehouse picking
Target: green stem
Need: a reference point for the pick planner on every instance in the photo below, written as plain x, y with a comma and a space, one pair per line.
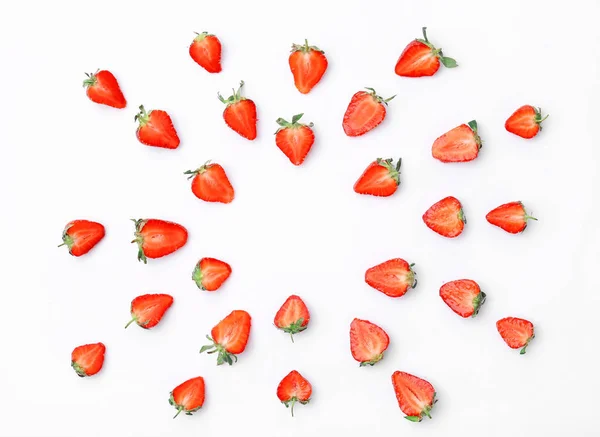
548, 115
130, 322
306, 44
292, 336
179, 410
528, 217
293, 402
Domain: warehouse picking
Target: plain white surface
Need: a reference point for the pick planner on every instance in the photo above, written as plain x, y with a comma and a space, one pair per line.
298, 230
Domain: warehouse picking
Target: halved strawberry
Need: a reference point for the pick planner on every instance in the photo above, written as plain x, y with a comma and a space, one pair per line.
294, 139
211, 183
240, 114
293, 316
188, 396
463, 296
148, 310
381, 178
102, 87
157, 238
206, 51
421, 58
87, 360
461, 144
308, 65
229, 337
511, 217
393, 278
415, 395
517, 333
446, 217
294, 388
368, 342
525, 122
365, 112
155, 128
80, 236
210, 273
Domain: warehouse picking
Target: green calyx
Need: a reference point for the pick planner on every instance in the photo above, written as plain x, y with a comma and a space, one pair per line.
235, 97
67, 239
292, 401
461, 216
448, 62
142, 117
91, 79
538, 116
293, 125
411, 277
78, 369
305, 48
294, 328
139, 239
377, 98
181, 408
197, 276
223, 356
394, 170
424, 412
473, 125
200, 36
372, 362
478, 301
524, 349
199, 170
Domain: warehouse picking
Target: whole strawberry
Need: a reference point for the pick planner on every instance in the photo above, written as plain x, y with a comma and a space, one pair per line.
102, 87
365, 112
368, 342
512, 217
240, 114
420, 58
157, 238
211, 184
525, 122
294, 388
229, 337
80, 236
206, 51
463, 296
393, 277
293, 316
155, 128
381, 178
308, 65
516, 333
460, 144
415, 395
446, 217
188, 396
294, 139
149, 309
87, 360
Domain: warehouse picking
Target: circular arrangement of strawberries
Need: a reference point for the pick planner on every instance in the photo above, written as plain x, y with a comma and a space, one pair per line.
156, 238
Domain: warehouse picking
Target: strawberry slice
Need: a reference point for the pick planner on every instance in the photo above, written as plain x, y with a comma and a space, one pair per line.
368, 342
420, 58
463, 296
381, 178
294, 139
188, 396
102, 87
365, 112
517, 333
87, 360
211, 183
210, 273
415, 395
393, 277
229, 337
240, 114
205, 50
525, 122
80, 236
308, 65
294, 388
511, 217
155, 128
293, 316
148, 310
446, 217
157, 238
461, 144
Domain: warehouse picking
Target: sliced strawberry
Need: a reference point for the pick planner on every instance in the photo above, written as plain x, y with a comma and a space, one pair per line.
155, 128
240, 114
393, 277
211, 183
229, 337
511, 217
147, 310
415, 395
446, 217
461, 144
463, 296
381, 178
294, 388
210, 273
80, 236
206, 51
525, 122
157, 238
294, 139
308, 65
365, 112
517, 333
420, 58
293, 316
188, 396
368, 342
102, 87
87, 360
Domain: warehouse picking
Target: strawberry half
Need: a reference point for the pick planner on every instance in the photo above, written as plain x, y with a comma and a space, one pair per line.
205, 50
446, 217
461, 144
80, 236
102, 87
368, 342
211, 183
511, 217
525, 122
293, 316
240, 114
210, 273
87, 360
188, 396
415, 395
463, 296
294, 388
517, 333
308, 65
420, 58
393, 278
294, 139
147, 310
365, 112
381, 178
229, 337
157, 238
155, 128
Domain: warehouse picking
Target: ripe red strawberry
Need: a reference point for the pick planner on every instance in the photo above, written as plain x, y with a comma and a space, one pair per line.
393, 277
157, 238
463, 296
80, 236
368, 342
156, 129
87, 360
102, 87
293, 316
240, 114
294, 139
147, 310
308, 65
415, 395
446, 217
517, 333
294, 388
525, 122
421, 58
381, 178
188, 396
365, 112
206, 51
511, 217
210, 273
461, 144
229, 337
211, 183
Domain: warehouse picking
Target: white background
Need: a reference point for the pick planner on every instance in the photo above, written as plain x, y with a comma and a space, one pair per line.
298, 230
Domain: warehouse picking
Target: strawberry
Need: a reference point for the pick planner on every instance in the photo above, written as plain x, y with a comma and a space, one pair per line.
229, 337
211, 183
147, 310
381, 178
188, 396
157, 238
210, 273
511, 217
206, 51
87, 360
308, 65
102, 87
517, 333
293, 316
294, 139
415, 395
525, 122
80, 236
446, 217
393, 277
420, 58
368, 342
294, 388
156, 129
463, 296
365, 112
461, 144
240, 114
